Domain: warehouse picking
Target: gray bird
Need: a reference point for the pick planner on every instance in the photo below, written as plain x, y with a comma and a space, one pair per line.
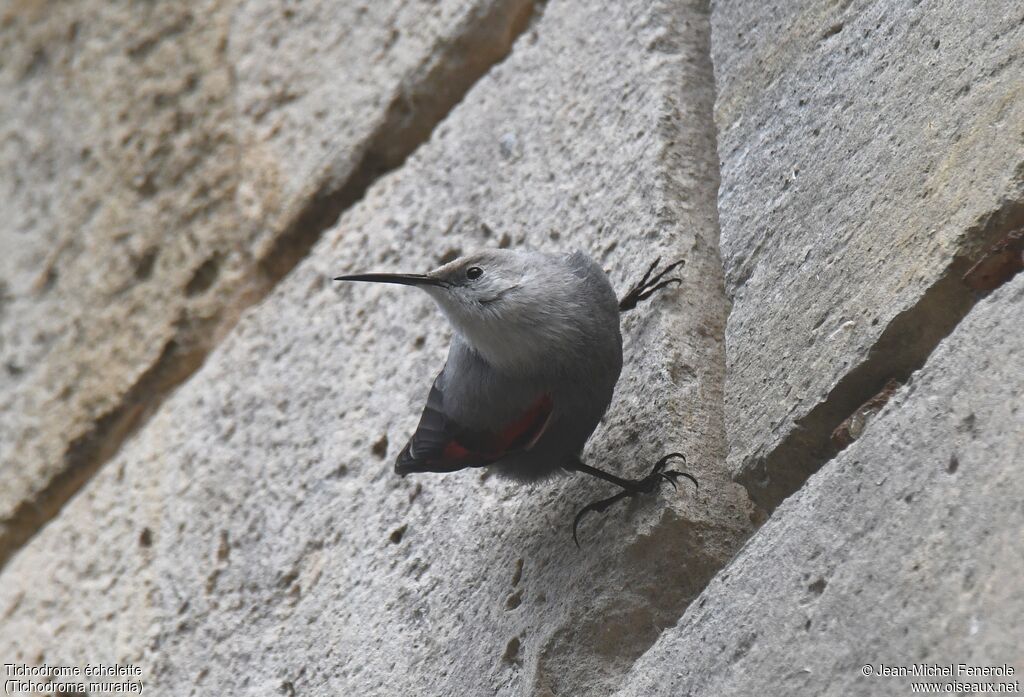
531, 369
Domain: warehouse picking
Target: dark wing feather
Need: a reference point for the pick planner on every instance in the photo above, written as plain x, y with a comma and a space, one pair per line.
442, 445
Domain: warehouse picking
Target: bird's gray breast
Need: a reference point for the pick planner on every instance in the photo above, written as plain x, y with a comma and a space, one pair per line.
479, 397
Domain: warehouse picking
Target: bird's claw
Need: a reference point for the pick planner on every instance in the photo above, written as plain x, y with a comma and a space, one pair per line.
646, 485
649, 286
672, 475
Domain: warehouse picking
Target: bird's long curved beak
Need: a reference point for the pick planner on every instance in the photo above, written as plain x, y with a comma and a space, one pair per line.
405, 279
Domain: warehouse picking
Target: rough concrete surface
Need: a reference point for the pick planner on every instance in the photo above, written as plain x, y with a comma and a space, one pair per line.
905, 549
869, 152
252, 537
160, 181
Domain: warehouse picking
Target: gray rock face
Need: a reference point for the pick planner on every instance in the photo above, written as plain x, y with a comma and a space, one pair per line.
253, 536
198, 428
905, 549
172, 163
870, 151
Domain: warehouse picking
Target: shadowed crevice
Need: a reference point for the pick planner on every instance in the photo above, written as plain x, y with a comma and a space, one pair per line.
86, 453
903, 348
593, 649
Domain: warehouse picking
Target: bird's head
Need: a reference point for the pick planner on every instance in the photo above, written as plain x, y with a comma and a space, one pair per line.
513, 307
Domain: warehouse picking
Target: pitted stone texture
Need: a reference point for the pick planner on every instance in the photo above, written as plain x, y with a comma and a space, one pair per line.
903, 550
152, 166
865, 147
284, 554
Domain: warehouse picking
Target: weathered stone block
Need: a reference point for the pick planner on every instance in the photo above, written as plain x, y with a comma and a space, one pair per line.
870, 152
903, 550
164, 165
254, 537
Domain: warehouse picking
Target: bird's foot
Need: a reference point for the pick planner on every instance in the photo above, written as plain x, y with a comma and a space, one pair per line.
648, 286
647, 485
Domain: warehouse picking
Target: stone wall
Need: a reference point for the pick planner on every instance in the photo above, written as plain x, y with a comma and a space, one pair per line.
199, 426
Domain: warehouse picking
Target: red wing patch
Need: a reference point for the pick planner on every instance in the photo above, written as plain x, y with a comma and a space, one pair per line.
442, 445
521, 434
453, 452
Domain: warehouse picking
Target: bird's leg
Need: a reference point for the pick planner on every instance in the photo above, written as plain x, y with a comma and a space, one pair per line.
630, 487
649, 286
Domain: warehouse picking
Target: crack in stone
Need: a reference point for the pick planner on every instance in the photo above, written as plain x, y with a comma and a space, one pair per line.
903, 348
420, 104
86, 453
408, 122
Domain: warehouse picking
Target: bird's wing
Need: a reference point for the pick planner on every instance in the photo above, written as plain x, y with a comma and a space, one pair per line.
442, 445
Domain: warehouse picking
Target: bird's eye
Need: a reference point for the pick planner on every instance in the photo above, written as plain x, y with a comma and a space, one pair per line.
474, 272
